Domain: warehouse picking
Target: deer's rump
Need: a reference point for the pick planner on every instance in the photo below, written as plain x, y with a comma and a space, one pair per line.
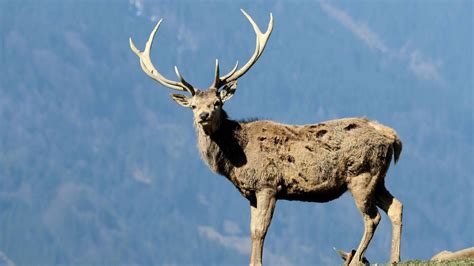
313, 162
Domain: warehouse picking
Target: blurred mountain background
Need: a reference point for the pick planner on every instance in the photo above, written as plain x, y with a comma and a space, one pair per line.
99, 167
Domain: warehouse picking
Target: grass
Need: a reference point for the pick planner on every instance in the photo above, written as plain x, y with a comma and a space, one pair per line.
426, 263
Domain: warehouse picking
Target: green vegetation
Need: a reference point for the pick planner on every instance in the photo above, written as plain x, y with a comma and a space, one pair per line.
425, 262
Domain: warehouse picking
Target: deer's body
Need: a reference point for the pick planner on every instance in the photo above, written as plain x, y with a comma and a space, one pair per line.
305, 163
268, 161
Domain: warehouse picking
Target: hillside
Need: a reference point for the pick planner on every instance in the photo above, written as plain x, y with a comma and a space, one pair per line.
99, 166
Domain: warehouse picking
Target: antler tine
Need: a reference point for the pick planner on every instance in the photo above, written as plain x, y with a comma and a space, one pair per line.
260, 43
181, 79
150, 70
216, 76
231, 72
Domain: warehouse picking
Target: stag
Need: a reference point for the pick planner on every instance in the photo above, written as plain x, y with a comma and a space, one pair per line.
269, 161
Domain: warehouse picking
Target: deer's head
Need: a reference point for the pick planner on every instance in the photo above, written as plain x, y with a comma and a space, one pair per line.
205, 104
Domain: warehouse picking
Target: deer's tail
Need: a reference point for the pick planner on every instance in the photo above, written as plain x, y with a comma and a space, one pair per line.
391, 134
397, 148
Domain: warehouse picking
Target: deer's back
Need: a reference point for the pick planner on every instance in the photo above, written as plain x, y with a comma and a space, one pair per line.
312, 162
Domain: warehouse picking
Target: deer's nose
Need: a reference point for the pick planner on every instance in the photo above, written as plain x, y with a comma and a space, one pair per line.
204, 116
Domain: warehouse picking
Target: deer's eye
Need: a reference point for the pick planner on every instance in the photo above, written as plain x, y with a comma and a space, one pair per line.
193, 106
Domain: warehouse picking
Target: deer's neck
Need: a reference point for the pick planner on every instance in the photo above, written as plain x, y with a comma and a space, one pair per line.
223, 150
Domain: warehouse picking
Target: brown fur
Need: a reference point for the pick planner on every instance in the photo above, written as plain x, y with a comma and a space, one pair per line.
267, 161
307, 163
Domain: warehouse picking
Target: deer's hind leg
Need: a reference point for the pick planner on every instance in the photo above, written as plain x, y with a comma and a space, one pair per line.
362, 188
394, 209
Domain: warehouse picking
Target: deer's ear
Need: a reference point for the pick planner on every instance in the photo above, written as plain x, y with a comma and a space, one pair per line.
228, 91
181, 100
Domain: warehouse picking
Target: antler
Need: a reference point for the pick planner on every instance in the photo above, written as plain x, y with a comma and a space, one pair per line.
150, 70
261, 42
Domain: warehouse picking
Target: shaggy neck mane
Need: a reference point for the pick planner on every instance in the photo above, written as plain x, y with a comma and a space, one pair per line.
224, 149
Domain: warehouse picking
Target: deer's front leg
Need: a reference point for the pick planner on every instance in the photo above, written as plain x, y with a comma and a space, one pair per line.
261, 212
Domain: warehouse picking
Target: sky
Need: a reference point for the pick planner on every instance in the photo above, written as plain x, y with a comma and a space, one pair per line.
99, 166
